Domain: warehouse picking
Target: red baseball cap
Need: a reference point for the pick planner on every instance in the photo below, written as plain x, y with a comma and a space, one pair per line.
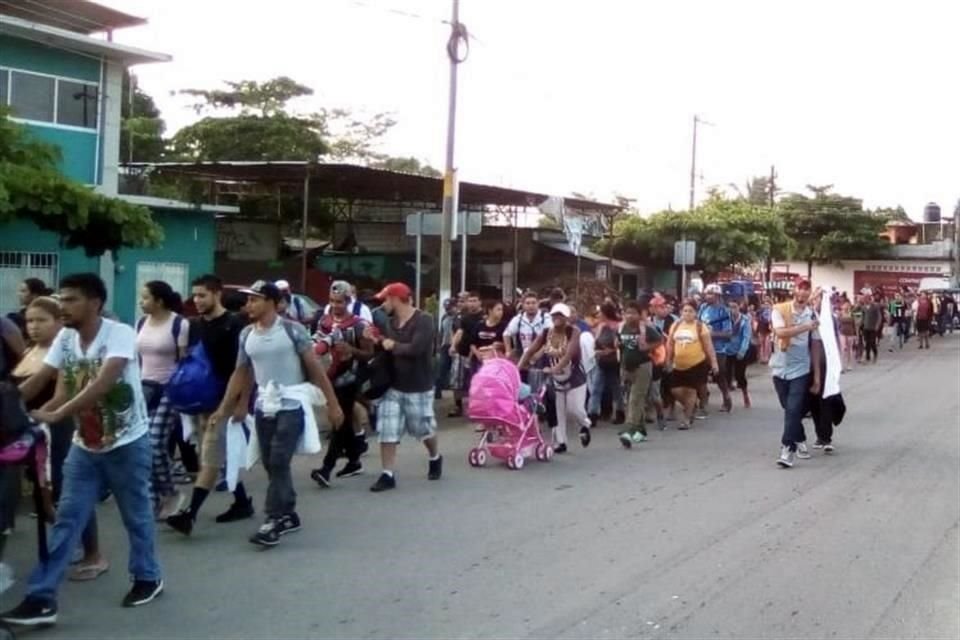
395, 290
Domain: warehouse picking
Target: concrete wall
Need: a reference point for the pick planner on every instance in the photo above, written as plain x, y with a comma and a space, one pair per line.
855, 274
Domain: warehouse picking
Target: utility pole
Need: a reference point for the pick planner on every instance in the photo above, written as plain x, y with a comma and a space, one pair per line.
451, 188
693, 192
772, 188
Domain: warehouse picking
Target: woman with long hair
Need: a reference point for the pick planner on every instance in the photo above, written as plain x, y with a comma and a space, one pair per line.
487, 338
162, 339
43, 324
848, 335
691, 355
28, 291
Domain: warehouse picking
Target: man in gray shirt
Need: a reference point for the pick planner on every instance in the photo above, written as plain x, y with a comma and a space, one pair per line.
794, 364
275, 352
407, 406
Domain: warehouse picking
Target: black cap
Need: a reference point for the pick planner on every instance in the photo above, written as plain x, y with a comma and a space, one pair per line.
264, 289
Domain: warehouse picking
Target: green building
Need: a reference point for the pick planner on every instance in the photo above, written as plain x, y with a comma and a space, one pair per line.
61, 75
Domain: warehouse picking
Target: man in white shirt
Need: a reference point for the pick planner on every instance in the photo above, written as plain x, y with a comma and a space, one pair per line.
356, 308
525, 327
98, 383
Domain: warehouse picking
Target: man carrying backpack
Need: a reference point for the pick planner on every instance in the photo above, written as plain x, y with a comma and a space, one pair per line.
715, 315
278, 355
523, 330
218, 331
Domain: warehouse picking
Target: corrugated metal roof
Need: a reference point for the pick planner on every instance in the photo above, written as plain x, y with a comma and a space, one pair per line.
586, 254
79, 16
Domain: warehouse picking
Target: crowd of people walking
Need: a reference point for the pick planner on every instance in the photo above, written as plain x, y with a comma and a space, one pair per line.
120, 404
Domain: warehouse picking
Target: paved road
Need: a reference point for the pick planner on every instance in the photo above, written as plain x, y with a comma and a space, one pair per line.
696, 535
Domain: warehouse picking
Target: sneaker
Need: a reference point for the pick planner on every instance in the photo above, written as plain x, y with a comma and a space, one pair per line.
321, 476
683, 426
435, 469
829, 448
626, 440
268, 535
802, 452
594, 420
661, 424
701, 414
350, 469
456, 413
639, 437
560, 448
288, 523
786, 458
818, 444
384, 483
31, 612
585, 437
237, 511
182, 522
143, 592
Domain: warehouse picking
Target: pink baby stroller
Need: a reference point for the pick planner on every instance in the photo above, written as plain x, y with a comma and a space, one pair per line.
510, 427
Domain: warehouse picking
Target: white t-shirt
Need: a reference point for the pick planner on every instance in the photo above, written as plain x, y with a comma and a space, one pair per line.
588, 351
157, 349
526, 330
121, 416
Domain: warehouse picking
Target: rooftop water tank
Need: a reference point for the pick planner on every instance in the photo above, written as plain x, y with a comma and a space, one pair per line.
931, 212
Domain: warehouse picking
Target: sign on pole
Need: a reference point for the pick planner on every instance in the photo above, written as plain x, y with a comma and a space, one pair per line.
431, 223
685, 253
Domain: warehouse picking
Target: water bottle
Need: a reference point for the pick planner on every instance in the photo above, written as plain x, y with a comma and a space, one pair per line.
271, 400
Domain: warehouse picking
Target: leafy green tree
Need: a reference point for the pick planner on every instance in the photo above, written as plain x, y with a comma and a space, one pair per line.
142, 128
32, 188
826, 227
407, 165
728, 233
891, 214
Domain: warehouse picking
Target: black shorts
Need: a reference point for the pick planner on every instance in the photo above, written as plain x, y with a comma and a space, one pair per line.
692, 378
923, 326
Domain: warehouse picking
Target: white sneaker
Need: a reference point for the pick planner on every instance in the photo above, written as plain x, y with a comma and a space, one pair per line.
802, 452
829, 448
787, 457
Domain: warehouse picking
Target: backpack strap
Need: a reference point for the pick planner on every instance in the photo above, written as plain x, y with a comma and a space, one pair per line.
177, 329
142, 321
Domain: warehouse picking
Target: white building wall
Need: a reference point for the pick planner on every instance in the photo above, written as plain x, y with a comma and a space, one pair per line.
842, 276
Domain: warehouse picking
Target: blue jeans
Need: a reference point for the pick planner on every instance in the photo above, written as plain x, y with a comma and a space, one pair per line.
793, 399
444, 368
125, 471
601, 381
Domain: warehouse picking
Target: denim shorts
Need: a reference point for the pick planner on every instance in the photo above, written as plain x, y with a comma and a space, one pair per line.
410, 413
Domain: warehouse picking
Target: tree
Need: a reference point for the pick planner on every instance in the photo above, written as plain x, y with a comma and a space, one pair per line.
891, 214
31, 188
756, 191
728, 233
259, 126
827, 227
142, 128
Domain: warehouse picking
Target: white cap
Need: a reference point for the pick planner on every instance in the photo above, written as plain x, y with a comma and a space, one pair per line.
560, 309
283, 285
713, 288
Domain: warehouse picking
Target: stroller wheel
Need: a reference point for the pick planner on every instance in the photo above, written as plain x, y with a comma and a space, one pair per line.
481, 457
544, 453
515, 462
472, 458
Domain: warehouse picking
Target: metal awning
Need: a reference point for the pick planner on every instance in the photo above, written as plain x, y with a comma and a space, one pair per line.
80, 16
73, 41
586, 254
356, 182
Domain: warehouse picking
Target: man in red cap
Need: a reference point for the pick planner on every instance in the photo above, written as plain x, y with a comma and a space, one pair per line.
407, 407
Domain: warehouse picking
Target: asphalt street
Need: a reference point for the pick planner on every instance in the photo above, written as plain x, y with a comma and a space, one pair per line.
694, 534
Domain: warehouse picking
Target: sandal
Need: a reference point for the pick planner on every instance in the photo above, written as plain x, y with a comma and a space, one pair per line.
84, 572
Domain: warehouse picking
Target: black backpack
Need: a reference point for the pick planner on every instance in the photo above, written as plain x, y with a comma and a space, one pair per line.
14, 421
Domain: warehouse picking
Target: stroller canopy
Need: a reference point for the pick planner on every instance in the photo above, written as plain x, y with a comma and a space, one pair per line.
494, 393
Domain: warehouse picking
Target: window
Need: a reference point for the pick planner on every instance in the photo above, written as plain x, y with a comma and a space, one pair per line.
77, 104
4, 81
31, 96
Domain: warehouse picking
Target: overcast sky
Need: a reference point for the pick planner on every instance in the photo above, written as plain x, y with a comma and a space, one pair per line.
598, 96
